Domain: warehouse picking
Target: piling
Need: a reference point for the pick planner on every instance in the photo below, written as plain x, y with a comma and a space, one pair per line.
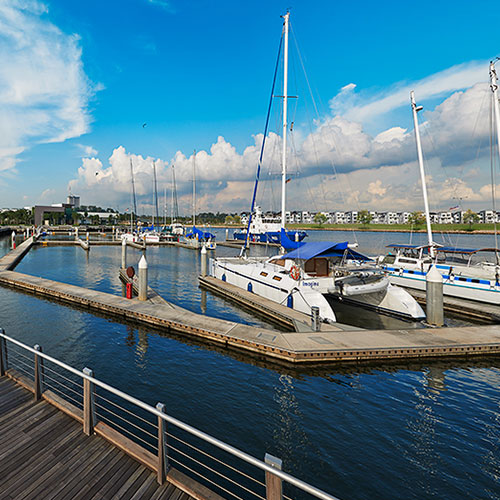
296, 236
434, 297
124, 254
13, 238
143, 279
315, 323
227, 233
76, 234
203, 261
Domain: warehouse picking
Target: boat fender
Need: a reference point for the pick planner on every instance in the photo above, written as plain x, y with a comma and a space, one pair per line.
295, 272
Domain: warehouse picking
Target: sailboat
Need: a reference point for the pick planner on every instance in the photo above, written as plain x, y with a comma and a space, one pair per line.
196, 237
407, 265
313, 271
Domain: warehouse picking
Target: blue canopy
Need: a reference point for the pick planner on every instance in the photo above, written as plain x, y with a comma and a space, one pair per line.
313, 249
202, 235
287, 243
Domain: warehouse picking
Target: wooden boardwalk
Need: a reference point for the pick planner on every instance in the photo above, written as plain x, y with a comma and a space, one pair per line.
45, 455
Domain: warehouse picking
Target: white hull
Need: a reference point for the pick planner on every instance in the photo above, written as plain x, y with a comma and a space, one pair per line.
268, 281
485, 292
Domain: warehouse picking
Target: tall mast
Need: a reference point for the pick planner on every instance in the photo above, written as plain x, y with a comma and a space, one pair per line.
165, 202
173, 188
415, 110
156, 194
494, 89
133, 192
285, 105
194, 187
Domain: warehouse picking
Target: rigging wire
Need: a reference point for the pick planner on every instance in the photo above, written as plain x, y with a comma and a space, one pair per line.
327, 123
244, 247
493, 157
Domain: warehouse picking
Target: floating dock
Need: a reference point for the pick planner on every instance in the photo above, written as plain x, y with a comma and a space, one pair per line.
326, 346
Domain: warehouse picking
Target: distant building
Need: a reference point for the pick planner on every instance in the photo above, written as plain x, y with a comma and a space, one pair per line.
73, 200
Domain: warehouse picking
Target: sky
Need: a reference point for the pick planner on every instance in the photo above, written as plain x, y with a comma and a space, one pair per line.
87, 88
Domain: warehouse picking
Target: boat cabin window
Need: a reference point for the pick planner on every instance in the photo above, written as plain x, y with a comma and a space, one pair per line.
408, 261
279, 262
389, 259
317, 267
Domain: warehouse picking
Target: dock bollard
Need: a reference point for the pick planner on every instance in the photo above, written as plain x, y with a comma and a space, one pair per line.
143, 279
13, 237
296, 236
315, 324
124, 254
203, 261
227, 233
434, 297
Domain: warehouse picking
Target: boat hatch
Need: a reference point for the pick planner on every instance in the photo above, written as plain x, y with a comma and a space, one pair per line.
316, 267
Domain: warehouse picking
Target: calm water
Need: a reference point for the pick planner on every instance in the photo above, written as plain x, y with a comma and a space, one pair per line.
400, 432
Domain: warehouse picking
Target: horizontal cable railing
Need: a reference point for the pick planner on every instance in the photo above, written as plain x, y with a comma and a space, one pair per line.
221, 467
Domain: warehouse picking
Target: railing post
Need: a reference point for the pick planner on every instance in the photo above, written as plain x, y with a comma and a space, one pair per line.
274, 490
38, 374
88, 403
162, 447
3, 354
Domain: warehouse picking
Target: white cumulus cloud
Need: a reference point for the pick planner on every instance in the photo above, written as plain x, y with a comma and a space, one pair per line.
43, 88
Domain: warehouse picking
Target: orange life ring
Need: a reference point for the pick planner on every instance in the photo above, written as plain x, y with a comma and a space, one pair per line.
295, 272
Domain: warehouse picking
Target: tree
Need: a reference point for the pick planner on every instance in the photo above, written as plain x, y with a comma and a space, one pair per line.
416, 219
364, 217
320, 218
237, 219
229, 219
470, 218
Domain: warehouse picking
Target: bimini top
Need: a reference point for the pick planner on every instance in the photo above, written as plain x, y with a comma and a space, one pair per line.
466, 250
325, 249
203, 235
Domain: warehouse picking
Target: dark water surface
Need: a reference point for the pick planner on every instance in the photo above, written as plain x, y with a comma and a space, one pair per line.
395, 432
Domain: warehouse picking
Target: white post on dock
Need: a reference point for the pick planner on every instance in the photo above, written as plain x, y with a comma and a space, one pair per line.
227, 233
434, 297
87, 236
274, 489
296, 236
143, 279
124, 254
76, 234
203, 261
315, 323
13, 238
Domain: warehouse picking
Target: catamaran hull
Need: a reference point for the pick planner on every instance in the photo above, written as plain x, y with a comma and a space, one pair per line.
266, 281
394, 301
457, 286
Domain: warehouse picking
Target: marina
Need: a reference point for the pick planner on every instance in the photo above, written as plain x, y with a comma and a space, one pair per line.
149, 343
244, 259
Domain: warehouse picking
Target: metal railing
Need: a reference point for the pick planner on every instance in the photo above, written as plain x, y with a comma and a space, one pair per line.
164, 439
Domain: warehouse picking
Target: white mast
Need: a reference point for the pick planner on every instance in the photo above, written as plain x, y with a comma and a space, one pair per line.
173, 187
415, 110
285, 102
494, 89
194, 187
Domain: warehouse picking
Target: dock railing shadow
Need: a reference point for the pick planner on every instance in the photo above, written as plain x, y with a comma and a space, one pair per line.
177, 452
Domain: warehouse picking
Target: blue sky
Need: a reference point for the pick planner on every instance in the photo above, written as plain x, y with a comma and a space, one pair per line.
79, 80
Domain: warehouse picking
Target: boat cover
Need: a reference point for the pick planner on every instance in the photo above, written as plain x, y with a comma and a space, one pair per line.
202, 235
313, 249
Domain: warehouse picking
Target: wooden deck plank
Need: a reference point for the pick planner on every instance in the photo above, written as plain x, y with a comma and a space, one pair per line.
44, 455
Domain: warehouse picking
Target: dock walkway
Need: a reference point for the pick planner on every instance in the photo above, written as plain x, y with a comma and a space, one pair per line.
325, 346
45, 455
